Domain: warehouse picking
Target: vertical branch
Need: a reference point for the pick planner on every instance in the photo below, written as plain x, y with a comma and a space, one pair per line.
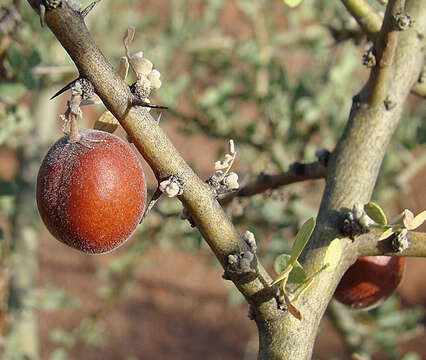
384, 51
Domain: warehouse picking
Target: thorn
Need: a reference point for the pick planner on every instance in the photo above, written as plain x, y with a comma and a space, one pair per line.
89, 8
42, 14
88, 95
65, 88
138, 102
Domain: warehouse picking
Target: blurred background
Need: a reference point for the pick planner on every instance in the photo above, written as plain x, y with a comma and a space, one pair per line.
280, 82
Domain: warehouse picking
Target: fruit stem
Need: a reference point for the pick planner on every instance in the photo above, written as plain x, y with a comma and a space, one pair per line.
74, 134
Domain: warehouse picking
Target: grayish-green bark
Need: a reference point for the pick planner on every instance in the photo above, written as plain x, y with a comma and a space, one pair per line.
352, 174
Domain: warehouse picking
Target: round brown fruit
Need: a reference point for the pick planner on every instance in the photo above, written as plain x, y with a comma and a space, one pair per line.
91, 194
370, 281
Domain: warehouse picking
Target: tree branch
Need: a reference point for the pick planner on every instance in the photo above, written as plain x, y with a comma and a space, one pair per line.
370, 245
377, 87
150, 140
352, 172
297, 172
367, 18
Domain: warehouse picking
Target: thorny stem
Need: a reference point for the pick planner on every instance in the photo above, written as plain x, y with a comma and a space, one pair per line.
361, 148
157, 149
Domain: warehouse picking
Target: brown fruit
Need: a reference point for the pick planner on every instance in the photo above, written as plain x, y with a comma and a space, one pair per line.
91, 194
370, 281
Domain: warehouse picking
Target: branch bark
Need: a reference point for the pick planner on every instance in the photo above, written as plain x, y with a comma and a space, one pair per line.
353, 170
296, 173
370, 245
352, 173
150, 140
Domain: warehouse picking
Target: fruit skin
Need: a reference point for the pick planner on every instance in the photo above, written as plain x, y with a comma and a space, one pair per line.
370, 281
91, 194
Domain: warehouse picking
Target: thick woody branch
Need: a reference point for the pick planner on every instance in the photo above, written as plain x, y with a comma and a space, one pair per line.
297, 172
370, 22
352, 172
370, 245
198, 199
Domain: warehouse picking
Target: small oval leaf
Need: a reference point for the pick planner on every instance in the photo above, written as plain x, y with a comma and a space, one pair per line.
298, 274
376, 213
302, 237
419, 220
333, 254
106, 122
283, 275
281, 262
407, 219
386, 234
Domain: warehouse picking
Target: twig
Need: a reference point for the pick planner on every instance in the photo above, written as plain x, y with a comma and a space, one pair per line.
377, 86
370, 245
367, 18
296, 173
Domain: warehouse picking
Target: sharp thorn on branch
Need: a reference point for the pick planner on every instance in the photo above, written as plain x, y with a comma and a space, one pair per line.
42, 14
89, 8
138, 102
65, 88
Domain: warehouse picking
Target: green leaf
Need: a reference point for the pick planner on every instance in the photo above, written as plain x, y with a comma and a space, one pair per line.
297, 274
292, 3
34, 59
418, 220
7, 188
283, 275
386, 234
333, 254
15, 58
29, 80
302, 237
12, 91
376, 213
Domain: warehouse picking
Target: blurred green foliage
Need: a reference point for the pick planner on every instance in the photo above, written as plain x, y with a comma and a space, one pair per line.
278, 81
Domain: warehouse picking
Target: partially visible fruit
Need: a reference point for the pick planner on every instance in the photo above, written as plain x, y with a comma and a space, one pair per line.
370, 281
91, 194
